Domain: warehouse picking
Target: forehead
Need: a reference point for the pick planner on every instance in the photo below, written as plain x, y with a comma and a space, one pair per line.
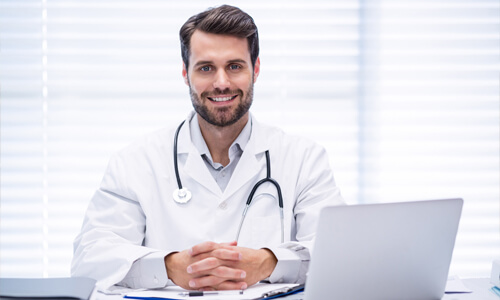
217, 47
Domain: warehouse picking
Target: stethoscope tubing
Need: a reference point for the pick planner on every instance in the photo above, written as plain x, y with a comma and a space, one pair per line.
268, 178
176, 167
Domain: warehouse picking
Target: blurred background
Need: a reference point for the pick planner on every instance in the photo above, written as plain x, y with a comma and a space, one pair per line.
404, 95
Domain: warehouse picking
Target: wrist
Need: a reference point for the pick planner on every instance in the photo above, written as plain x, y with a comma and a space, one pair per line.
170, 265
268, 263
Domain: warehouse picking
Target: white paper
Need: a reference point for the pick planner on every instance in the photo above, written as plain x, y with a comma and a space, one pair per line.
174, 292
455, 285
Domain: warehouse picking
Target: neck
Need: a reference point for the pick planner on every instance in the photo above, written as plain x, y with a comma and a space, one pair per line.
219, 139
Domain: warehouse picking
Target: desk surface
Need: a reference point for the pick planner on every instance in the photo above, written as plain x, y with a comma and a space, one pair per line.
481, 288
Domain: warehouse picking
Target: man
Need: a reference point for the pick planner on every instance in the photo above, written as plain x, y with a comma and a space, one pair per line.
135, 235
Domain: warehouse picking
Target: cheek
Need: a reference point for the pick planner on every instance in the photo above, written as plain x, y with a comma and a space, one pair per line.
243, 81
198, 86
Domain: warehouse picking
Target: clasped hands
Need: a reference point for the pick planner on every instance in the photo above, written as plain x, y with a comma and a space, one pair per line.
219, 266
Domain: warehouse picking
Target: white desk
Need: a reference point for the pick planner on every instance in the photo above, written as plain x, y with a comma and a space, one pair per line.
480, 287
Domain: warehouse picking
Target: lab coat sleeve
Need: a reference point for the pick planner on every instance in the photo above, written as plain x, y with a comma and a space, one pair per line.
112, 234
148, 271
316, 189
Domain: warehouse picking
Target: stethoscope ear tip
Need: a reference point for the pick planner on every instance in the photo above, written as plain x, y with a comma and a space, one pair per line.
181, 196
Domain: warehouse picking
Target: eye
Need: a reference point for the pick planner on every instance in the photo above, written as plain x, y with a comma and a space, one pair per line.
234, 67
206, 69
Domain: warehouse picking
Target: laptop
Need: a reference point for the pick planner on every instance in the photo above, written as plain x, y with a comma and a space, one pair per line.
383, 251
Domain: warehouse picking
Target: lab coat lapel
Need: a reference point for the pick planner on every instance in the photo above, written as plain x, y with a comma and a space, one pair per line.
250, 162
194, 166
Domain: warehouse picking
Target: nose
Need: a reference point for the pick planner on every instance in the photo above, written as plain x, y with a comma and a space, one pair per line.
221, 80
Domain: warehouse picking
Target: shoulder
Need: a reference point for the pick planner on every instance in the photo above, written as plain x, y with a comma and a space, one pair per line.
274, 133
159, 141
278, 139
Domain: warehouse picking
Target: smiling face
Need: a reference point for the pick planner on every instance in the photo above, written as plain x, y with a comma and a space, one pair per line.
220, 77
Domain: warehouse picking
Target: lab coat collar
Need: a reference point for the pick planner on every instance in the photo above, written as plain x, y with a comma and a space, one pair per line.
184, 144
248, 166
236, 148
258, 141
194, 166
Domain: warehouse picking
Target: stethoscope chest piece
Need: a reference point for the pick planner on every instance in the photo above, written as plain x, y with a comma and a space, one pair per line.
181, 196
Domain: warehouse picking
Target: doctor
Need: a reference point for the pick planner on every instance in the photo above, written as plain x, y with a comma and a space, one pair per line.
138, 233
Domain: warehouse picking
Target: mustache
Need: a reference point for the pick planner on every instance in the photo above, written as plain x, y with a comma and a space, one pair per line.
218, 92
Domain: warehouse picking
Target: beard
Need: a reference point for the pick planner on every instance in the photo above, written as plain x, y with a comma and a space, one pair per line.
222, 116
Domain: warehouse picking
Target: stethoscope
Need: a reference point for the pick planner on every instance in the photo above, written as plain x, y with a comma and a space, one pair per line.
183, 195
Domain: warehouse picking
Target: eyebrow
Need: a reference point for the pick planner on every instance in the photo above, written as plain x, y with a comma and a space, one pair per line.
241, 61
208, 62
202, 62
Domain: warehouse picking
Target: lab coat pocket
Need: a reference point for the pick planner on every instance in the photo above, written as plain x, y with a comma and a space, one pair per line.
265, 231
265, 200
264, 217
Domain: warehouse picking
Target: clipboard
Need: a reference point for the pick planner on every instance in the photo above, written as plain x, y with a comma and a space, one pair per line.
282, 292
260, 291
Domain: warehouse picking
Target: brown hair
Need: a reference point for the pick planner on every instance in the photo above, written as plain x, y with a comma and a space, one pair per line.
224, 19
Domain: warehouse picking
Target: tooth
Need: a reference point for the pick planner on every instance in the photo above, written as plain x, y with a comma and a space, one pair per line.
221, 99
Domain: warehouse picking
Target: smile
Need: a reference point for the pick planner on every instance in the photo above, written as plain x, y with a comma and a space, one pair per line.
222, 99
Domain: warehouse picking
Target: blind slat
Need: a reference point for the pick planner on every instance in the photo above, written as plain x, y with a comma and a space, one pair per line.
402, 94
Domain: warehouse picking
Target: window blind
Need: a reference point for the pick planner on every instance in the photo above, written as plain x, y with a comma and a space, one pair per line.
22, 213
403, 95
431, 114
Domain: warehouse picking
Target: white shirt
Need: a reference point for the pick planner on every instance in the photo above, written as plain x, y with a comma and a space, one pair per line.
221, 173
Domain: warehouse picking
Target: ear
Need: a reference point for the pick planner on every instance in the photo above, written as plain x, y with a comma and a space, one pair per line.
185, 74
256, 69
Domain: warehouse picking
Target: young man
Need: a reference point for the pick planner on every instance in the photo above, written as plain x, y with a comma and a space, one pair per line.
135, 235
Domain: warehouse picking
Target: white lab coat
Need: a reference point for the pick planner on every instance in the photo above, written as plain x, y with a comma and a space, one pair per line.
133, 214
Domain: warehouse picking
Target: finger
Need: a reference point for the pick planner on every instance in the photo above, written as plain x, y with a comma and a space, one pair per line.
204, 282
203, 248
209, 283
232, 285
233, 243
229, 273
227, 254
203, 265
228, 247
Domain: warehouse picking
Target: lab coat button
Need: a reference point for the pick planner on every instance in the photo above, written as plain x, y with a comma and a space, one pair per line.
155, 280
223, 206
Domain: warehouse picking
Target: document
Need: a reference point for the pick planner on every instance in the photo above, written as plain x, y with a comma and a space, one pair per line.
455, 285
46, 288
257, 291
